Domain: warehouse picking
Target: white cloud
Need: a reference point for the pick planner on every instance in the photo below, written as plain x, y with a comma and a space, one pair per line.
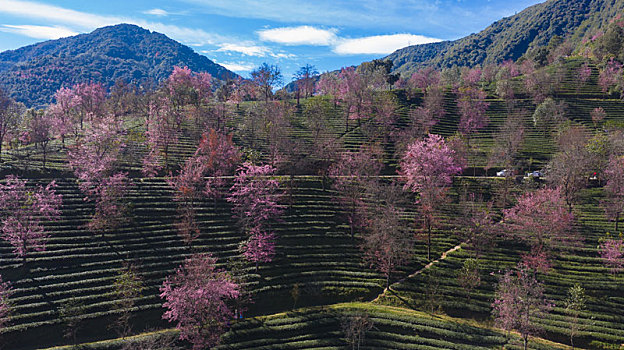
87, 21
380, 44
302, 35
190, 36
283, 55
248, 50
38, 32
156, 12
308, 35
238, 66
54, 13
387, 14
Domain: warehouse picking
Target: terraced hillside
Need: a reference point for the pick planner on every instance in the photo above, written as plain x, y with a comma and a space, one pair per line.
320, 328
602, 322
316, 256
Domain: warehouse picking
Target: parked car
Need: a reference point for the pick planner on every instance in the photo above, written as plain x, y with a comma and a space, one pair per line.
535, 174
504, 173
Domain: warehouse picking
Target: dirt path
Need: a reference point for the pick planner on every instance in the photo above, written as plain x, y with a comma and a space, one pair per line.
418, 272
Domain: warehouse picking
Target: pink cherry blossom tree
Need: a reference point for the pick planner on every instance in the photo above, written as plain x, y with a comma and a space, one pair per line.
538, 83
74, 105
387, 242
40, 131
612, 254
276, 128
260, 247
472, 107
519, 300
215, 157
583, 74
428, 167
5, 307
196, 298
111, 207
568, 168
355, 95
95, 155
255, 196
505, 87
425, 78
185, 88
23, 209
614, 203
94, 160
220, 156
478, 228
541, 220
63, 111
10, 115
471, 76
188, 186
162, 134
424, 117
611, 75
352, 176
329, 85
179, 83
90, 101
384, 117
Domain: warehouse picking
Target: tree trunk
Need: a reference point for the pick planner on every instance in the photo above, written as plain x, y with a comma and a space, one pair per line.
166, 158
526, 342
428, 240
45, 154
505, 190
291, 189
352, 223
24, 256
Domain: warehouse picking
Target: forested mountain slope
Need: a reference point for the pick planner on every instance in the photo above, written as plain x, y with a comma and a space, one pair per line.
122, 52
512, 37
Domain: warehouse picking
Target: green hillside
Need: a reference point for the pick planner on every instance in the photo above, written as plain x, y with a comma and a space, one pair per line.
123, 52
512, 37
315, 253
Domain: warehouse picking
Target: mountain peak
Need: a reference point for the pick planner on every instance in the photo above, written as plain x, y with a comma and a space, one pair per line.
128, 52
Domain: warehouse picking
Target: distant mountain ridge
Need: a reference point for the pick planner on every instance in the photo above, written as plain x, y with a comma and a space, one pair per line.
512, 37
121, 52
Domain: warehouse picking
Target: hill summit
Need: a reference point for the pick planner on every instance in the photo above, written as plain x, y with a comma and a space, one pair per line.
121, 52
514, 36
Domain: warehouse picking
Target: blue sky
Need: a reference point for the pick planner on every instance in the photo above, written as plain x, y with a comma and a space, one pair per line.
242, 34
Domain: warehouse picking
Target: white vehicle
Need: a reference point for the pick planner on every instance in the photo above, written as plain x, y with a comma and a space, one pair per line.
504, 173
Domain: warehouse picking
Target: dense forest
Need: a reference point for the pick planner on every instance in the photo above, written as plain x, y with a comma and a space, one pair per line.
527, 32
123, 52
